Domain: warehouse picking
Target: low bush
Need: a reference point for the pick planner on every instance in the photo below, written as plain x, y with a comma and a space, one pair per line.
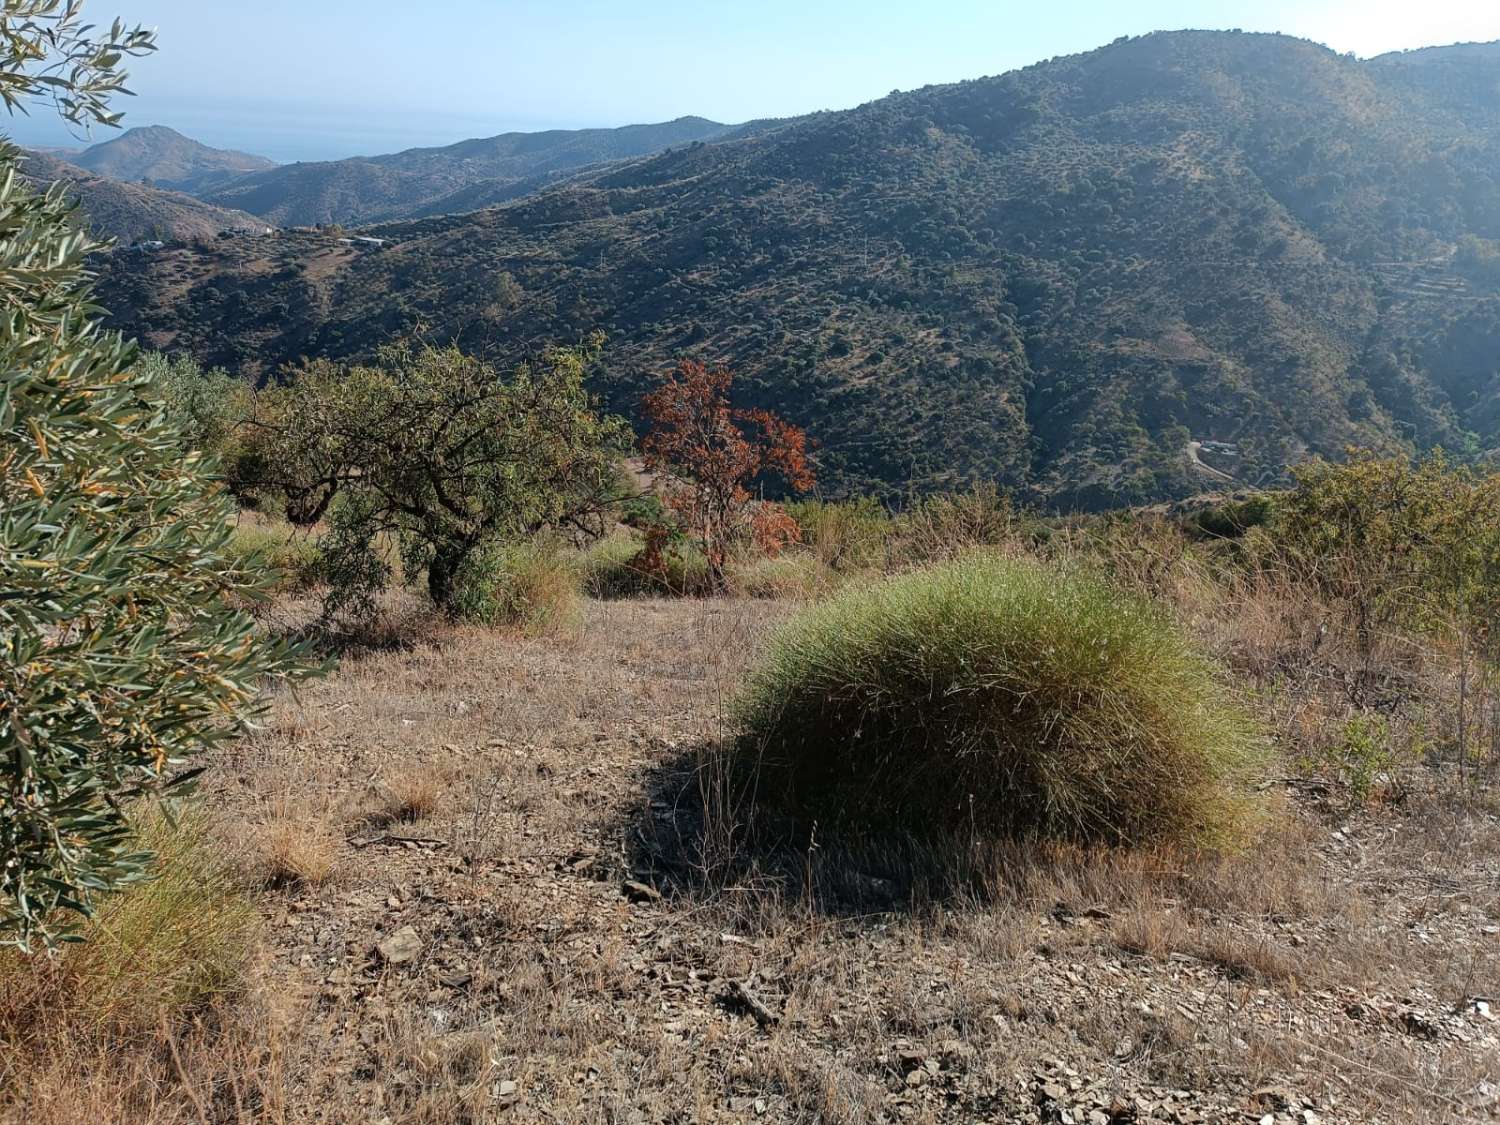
620, 566
947, 526
788, 575
1000, 697
1232, 518
852, 535
527, 586
161, 947
290, 556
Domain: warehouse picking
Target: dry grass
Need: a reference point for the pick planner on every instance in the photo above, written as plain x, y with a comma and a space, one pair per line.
294, 848
543, 772
156, 1016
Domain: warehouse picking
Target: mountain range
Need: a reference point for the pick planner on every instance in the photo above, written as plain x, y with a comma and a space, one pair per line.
1058, 278
132, 212
164, 158
460, 177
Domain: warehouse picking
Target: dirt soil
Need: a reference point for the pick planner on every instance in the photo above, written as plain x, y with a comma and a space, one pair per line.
495, 898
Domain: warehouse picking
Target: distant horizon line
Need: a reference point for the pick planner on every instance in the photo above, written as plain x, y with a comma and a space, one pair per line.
278, 142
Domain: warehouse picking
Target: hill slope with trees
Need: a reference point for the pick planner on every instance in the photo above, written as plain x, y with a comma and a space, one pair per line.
133, 212
464, 176
1055, 278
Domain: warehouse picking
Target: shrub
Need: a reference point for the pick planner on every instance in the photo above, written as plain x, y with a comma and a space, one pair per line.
1230, 519
1001, 697
852, 535
1396, 544
164, 946
529, 586
783, 576
947, 526
621, 566
289, 559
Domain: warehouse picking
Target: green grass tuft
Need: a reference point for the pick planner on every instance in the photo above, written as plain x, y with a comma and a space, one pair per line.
528, 586
292, 556
999, 697
168, 944
615, 567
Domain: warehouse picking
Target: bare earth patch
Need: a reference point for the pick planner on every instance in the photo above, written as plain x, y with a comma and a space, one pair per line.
518, 919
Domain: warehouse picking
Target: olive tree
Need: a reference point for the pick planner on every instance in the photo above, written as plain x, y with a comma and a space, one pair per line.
435, 456
121, 657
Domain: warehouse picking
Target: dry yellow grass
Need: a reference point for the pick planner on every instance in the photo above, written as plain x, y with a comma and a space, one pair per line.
293, 848
544, 772
156, 1017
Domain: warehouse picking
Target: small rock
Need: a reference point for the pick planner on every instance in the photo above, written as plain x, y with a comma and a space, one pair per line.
1419, 1025
640, 892
401, 947
1051, 1092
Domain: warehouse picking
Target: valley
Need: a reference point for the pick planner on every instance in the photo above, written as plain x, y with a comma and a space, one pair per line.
1046, 279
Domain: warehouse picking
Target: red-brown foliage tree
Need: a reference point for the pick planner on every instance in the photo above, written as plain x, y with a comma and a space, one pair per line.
706, 454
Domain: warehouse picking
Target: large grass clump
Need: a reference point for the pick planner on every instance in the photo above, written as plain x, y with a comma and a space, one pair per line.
528, 586
997, 697
163, 946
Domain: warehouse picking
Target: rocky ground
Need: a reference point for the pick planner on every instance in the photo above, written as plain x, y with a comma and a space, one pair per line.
495, 895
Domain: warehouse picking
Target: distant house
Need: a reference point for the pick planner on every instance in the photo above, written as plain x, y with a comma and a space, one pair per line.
151, 244
379, 243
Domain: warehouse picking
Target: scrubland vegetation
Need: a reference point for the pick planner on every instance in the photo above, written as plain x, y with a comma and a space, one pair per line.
937, 812
629, 794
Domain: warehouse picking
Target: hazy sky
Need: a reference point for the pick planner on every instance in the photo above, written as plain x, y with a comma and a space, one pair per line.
316, 79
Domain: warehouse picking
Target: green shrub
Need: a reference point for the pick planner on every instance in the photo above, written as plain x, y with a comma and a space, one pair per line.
947, 526
1363, 754
161, 947
788, 575
530, 587
289, 558
852, 535
615, 567
1001, 697
1231, 519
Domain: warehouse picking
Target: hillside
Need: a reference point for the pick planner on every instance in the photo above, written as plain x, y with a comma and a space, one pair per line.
133, 212
463, 176
1056, 278
166, 159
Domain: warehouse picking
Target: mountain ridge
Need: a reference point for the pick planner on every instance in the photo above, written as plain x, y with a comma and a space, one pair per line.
416, 181
1056, 278
132, 212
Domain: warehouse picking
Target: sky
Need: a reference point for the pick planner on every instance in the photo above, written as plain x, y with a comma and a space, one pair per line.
324, 79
